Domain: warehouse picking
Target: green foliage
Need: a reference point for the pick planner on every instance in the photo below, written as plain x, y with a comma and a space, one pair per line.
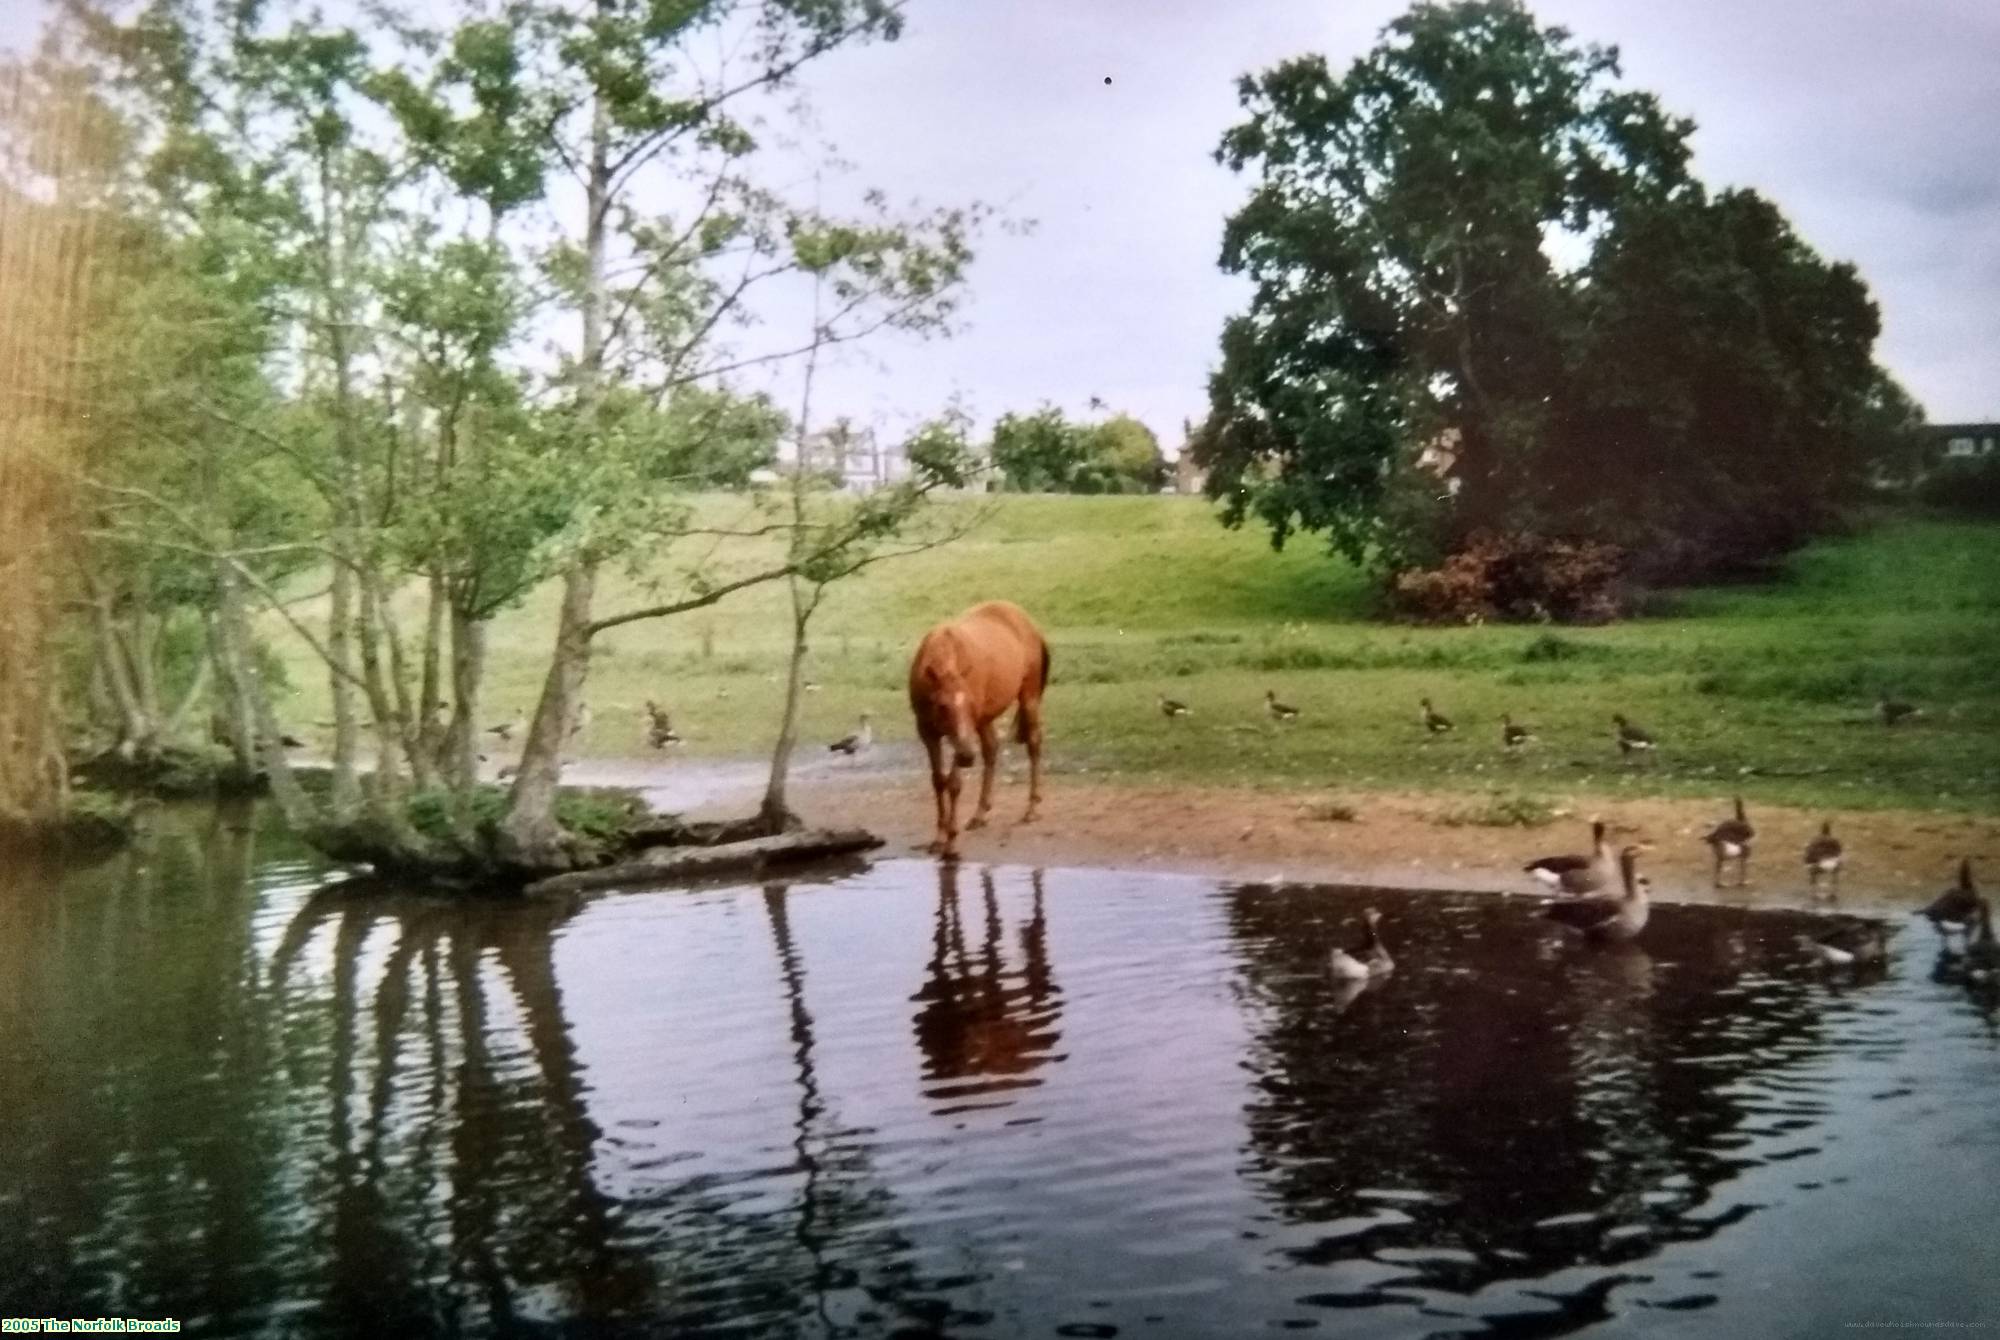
602, 815
1044, 452
1967, 487
1700, 391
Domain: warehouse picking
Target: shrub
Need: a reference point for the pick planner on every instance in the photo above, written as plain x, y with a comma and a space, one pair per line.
1516, 577
1971, 488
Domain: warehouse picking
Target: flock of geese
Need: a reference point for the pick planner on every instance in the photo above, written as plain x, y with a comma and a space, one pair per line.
1631, 738
657, 729
1606, 900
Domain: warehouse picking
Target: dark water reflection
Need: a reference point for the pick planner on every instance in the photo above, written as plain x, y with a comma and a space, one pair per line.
915, 1101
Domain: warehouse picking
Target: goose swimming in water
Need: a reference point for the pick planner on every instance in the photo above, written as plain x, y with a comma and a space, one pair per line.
1957, 908
1850, 943
1730, 841
1608, 917
1823, 857
1371, 959
1578, 874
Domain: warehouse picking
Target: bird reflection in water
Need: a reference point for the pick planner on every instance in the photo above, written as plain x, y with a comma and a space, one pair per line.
984, 1027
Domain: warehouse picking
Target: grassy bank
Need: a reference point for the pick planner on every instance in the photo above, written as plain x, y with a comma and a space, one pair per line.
1141, 596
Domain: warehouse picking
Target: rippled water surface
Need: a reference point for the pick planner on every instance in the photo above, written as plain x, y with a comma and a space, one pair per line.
982, 1102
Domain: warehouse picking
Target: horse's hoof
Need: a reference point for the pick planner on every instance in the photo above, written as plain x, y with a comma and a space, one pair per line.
978, 821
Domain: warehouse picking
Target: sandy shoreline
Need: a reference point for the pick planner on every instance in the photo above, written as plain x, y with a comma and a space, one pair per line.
1897, 859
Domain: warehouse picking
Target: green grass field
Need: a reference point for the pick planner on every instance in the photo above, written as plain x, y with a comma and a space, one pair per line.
1147, 595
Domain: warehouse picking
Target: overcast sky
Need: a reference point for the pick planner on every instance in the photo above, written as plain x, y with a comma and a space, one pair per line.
1875, 126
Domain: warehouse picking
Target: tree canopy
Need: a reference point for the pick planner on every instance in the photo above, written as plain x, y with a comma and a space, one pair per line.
1478, 240
1046, 452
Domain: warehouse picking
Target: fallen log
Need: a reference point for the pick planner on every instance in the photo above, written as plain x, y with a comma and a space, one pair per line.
662, 865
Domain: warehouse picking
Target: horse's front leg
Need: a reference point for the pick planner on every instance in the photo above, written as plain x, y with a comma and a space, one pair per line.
944, 787
989, 755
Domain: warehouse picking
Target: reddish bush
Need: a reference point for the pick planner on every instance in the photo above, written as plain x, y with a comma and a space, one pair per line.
1516, 577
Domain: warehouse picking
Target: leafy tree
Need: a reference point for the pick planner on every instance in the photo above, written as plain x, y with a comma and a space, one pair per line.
1699, 387
1124, 457
1045, 452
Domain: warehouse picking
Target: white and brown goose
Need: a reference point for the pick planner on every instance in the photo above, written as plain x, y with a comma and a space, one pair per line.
1851, 943
858, 741
1173, 709
660, 732
1824, 856
1730, 840
1434, 721
1957, 908
1279, 711
1609, 917
1513, 736
1368, 960
1576, 874
1632, 739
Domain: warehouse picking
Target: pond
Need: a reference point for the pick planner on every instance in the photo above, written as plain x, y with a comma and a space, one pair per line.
915, 1100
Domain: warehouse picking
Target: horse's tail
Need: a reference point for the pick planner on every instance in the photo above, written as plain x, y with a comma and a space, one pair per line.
1046, 659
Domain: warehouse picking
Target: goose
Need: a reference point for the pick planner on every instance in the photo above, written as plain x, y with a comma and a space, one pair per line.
508, 729
1514, 736
811, 686
1892, 711
1370, 960
580, 723
1433, 721
855, 743
1823, 857
1279, 711
1607, 917
1631, 739
660, 726
1172, 709
290, 741
1577, 874
1850, 943
1730, 841
1957, 908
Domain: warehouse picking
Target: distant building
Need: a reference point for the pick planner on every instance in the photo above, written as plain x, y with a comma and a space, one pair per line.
1188, 477
861, 461
1964, 441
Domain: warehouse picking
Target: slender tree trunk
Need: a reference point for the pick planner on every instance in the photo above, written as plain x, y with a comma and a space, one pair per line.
468, 667
386, 782
431, 729
140, 648
530, 835
134, 736
346, 796
776, 813
227, 643
177, 719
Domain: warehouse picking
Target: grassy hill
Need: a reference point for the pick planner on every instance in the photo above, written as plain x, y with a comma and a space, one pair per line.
1148, 595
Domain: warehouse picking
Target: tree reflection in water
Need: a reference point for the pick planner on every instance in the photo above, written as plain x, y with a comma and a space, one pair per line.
983, 1027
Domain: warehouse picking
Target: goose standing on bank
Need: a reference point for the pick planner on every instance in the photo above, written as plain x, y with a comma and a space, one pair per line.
508, 729
1893, 712
1730, 841
1957, 908
1578, 874
660, 732
1823, 857
860, 740
1631, 739
1513, 736
1279, 711
1605, 917
1171, 709
1850, 944
1434, 721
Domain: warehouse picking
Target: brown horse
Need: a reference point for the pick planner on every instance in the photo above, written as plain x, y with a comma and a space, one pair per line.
964, 675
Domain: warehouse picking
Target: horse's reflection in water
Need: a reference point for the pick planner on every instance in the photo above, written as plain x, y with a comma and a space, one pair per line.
985, 1025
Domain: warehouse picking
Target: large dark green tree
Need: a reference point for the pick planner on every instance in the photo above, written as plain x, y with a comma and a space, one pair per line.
1457, 243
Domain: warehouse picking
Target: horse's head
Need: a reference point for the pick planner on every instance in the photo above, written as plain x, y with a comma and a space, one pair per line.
951, 712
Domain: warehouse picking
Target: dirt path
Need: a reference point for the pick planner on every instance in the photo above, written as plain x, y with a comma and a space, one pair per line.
1897, 859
